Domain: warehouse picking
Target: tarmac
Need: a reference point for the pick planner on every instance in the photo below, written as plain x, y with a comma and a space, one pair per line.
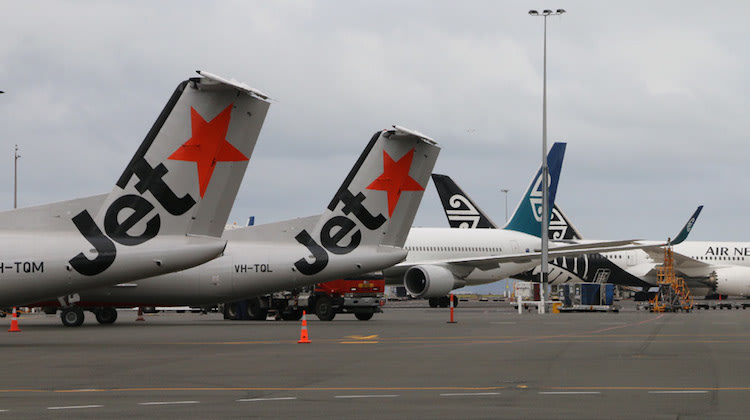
405, 363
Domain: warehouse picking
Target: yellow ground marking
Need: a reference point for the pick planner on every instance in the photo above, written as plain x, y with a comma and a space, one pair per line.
225, 389
362, 337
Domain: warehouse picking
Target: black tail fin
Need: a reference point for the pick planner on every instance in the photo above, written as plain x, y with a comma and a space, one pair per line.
560, 227
460, 210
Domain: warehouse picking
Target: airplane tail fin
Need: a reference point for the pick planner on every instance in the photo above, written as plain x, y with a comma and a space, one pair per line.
683, 234
459, 208
190, 165
527, 217
560, 226
386, 184
377, 202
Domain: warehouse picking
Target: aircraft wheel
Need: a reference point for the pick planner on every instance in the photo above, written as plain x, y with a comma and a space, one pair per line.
106, 315
72, 317
231, 311
324, 309
434, 302
254, 311
364, 316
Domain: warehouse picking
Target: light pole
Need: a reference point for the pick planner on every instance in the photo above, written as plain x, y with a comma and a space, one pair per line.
505, 191
15, 178
545, 169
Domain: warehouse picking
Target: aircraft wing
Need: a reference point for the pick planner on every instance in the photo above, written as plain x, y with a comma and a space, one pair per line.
682, 263
489, 262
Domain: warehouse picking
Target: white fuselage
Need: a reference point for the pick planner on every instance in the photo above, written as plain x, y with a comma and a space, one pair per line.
35, 264
714, 255
438, 245
256, 261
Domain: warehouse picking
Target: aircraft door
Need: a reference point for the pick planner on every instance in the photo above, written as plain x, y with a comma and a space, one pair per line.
630, 258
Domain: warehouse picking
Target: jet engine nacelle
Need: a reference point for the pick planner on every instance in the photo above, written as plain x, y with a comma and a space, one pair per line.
428, 281
733, 281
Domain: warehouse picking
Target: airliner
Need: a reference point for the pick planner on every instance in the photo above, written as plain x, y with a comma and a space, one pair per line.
635, 268
166, 212
442, 259
362, 230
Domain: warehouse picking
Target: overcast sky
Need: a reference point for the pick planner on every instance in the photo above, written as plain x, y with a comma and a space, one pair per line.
650, 96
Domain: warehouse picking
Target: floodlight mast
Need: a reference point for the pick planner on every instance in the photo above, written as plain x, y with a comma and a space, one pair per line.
545, 170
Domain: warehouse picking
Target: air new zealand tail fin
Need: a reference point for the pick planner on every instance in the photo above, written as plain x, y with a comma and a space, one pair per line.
560, 226
687, 228
527, 217
460, 210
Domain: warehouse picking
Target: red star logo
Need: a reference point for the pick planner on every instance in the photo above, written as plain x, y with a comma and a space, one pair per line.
208, 145
395, 179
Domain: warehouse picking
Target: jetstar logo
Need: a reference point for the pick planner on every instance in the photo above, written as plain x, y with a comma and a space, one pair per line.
206, 147
394, 180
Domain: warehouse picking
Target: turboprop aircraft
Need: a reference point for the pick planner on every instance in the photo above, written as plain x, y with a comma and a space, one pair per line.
629, 268
443, 259
362, 230
166, 212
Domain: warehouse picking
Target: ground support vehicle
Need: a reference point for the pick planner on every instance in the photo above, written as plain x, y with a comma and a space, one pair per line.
362, 297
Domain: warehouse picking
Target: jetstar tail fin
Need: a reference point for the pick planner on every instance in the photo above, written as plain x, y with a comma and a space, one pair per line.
190, 164
365, 226
527, 217
384, 188
460, 209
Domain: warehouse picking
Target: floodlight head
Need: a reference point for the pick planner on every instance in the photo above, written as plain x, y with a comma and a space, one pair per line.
560, 11
547, 12
533, 13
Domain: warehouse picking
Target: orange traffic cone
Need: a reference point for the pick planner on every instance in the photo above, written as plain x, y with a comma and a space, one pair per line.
140, 314
14, 322
452, 321
303, 338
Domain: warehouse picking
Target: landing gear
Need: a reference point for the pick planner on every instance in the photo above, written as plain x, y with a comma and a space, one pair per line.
106, 315
443, 302
232, 311
72, 316
255, 311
